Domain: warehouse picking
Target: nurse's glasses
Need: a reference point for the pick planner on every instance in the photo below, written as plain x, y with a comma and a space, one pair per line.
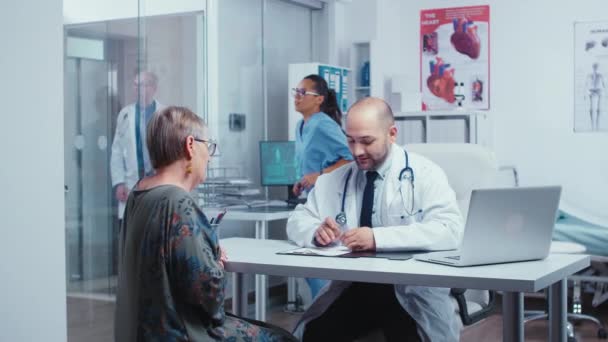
298, 92
211, 145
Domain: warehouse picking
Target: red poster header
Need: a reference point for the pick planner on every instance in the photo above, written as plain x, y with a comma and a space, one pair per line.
431, 19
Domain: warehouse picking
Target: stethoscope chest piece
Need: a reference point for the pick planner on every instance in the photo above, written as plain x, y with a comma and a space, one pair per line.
341, 218
406, 174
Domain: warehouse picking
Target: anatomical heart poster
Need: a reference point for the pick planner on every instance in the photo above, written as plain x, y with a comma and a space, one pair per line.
591, 76
455, 58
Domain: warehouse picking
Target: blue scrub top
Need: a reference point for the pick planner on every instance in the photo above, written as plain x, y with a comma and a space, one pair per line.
320, 142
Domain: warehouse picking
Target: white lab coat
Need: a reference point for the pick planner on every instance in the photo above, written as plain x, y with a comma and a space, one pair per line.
123, 162
439, 227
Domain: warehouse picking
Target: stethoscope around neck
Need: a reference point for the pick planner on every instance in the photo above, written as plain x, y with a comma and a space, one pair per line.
406, 173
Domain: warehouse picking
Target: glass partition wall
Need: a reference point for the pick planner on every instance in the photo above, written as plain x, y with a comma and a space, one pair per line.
253, 43
111, 67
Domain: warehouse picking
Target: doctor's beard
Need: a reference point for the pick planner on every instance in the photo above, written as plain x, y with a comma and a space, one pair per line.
373, 161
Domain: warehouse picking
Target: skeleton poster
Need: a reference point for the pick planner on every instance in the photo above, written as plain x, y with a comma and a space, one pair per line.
590, 76
455, 58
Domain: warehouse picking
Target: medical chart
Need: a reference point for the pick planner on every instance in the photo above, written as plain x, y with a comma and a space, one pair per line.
320, 251
455, 58
590, 76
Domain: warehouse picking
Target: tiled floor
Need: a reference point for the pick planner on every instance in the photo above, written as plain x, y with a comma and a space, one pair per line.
91, 321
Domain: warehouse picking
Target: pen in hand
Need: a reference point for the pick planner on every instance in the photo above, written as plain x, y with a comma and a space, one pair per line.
328, 232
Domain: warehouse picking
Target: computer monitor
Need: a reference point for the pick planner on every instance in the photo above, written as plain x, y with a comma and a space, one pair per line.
278, 163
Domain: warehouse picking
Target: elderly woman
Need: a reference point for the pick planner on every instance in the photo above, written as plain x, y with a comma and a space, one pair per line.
171, 274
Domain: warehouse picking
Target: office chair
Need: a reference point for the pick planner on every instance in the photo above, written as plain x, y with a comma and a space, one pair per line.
468, 167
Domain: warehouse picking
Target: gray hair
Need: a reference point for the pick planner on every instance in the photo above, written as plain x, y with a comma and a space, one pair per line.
153, 78
167, 132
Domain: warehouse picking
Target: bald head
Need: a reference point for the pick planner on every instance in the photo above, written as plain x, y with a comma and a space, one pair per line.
372, 109
370, 131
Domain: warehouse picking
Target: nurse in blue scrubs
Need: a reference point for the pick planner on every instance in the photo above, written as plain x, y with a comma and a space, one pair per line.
321, 143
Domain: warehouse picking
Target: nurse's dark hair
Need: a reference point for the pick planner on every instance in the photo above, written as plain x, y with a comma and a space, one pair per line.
330, 101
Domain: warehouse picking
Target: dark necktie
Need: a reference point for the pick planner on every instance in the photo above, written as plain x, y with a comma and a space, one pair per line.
365, 220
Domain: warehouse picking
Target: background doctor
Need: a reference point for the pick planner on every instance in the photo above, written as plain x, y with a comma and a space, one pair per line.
378, 219
130, 160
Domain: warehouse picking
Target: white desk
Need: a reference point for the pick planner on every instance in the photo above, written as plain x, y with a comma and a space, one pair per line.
261, 219
259, 256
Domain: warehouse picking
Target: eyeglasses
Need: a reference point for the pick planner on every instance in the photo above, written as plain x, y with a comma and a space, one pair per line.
211, 145
298, 92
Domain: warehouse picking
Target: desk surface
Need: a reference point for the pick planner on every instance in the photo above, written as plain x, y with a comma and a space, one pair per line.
259, 256
242, 214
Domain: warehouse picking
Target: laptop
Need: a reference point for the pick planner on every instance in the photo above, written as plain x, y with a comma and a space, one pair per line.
504, 225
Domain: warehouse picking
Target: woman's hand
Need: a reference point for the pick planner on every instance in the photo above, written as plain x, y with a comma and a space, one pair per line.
297, 189
223, 257
309, 180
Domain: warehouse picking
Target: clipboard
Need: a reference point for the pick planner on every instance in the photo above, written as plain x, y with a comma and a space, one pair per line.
405, 255
381, 255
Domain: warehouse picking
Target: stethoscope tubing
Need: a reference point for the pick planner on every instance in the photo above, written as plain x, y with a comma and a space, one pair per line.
341, 217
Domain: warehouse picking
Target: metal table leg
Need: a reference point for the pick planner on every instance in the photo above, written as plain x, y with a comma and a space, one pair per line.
293, 304
513, 317
557, 311
261, 281
239, 295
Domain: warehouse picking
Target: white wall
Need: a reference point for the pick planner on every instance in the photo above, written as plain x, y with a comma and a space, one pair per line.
531, 87
32, 256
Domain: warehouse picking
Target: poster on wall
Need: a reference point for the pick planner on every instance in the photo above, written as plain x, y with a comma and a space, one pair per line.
455, 58
591, 76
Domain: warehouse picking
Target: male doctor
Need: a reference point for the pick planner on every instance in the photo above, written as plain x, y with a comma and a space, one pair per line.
130, 160
382, 214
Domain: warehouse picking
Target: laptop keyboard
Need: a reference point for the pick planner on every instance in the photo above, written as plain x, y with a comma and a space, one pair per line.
454, 257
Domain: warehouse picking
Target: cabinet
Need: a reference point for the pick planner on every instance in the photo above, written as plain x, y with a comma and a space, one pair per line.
361, 74
443, 127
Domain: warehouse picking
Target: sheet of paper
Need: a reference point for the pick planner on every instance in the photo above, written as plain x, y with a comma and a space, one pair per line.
324, 251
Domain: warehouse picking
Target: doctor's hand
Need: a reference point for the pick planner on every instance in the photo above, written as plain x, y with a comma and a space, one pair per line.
327, 232
122, 192
359, 239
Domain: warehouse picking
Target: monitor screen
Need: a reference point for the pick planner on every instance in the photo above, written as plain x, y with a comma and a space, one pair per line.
278, 162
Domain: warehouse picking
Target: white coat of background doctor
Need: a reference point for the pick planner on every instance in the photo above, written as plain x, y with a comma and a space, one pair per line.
124, 167
371, 137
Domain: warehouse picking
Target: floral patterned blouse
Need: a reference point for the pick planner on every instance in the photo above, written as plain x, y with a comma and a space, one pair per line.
170, 283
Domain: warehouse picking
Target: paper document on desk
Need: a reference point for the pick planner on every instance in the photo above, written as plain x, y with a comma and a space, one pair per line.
320, 251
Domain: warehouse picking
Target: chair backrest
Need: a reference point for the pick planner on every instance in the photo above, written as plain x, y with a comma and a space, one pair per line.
467, 166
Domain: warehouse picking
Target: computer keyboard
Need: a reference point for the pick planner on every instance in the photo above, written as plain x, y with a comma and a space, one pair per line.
293, 202
268, 209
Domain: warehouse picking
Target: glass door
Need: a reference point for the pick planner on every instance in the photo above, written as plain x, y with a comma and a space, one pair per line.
89, 223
